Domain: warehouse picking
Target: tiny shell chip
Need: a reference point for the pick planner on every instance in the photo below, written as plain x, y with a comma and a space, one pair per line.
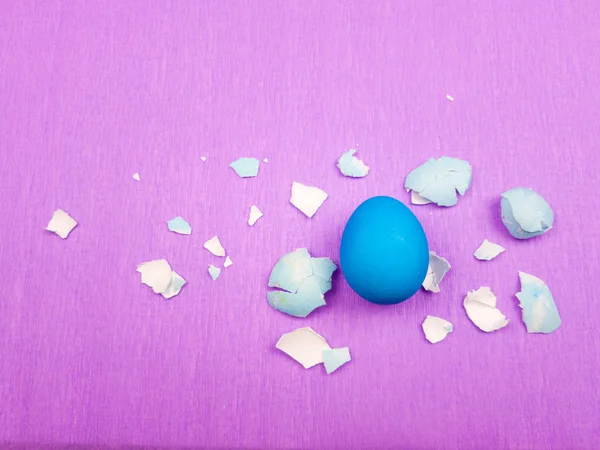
307, 199
525, 213
334, 358
488, 251
436, 329
246, 167
438, 267
161, 278
351, 166
539, 310
255, 214
214, 246
156, 274
304, 345
438, 180
228, 262
214, 272
61, 224
480, 306
179, 225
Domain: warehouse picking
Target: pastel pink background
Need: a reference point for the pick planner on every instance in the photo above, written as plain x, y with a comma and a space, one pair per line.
93, 91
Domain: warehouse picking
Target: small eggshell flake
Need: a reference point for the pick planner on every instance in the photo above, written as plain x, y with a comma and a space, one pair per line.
227, 262
246, 167
255, 214
161, 278
214, 272
539, 310
307, 199
480, 306
438, 267
334, 358
136, 176
438, 180
525, 213
179, 225
303, 345
436, 329
214, 246
61, 223
488, 251
156, 274
351, 166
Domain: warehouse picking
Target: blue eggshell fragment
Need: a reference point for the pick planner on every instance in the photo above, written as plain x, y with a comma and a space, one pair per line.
334, 358
179, 225
539, 310
245, 167
214, 272
291, 270
323, 268
306, 280
525, 213
308, 298
351, 166
438, 180
384, 253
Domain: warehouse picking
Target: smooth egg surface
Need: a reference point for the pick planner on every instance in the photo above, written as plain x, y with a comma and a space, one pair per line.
384, 253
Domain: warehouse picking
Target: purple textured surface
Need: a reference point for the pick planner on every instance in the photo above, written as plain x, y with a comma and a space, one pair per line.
93, 91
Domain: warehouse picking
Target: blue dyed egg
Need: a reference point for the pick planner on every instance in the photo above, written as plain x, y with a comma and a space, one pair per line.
384, 253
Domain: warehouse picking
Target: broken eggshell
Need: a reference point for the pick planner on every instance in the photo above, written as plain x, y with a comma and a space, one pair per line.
214, 272
436, 329
304, 345
334, 358
480, 306
214, 246
488, 251
179, 225
438, 268
245, 167
351, 166
525, 213
61, 223
303, 281
539, 310
384, 253
255, 214
307, 199
161, 278
438, 180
